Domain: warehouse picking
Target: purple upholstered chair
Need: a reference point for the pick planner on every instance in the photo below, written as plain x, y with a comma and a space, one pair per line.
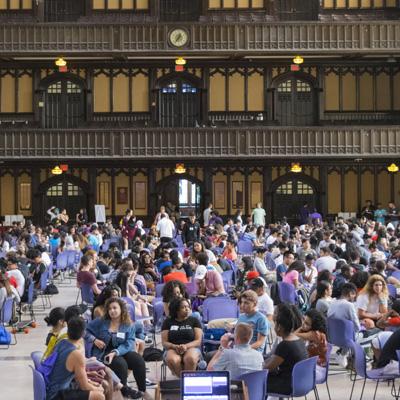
303, 379
256, 383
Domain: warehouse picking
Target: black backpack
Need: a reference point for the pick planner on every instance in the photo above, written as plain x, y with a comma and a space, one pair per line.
152, 354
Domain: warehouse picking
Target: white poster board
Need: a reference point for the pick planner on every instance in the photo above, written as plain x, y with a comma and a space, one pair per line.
100, 213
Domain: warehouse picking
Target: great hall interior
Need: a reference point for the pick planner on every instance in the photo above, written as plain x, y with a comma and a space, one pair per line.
234, 102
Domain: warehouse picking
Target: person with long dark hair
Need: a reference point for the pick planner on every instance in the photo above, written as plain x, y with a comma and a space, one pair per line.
289, 351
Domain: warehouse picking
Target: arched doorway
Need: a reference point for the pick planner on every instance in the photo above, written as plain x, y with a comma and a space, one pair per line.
63, 10
180, 10
64, 191
181, 193
295, 102
290, 192
63, 101
179, 102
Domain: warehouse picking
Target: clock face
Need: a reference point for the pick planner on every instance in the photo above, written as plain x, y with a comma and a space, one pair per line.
179, 37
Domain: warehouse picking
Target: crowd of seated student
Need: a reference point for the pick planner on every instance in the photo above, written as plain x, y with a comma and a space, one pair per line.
341, 270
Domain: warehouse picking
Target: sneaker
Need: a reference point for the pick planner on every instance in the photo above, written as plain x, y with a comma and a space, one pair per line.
149, 383
130, 393
148, 341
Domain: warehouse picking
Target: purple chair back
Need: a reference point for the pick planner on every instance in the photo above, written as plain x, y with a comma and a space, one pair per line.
30, 292
36, 358
392, 290
43, 280
219, 307
396, 275
256, 383
244, 247
303, 377
39, 386
158, 311
287, 293
87, 293
360, 365
327, 356
191, 288
6, 311
228, 277
341, 332
159, 289
62, 260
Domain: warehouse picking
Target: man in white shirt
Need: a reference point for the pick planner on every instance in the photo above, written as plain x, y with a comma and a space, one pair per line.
12, 270
166, 229
326, 261
265, 304
207, 214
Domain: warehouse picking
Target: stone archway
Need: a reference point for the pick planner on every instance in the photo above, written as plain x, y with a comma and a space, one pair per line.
63, 191
182, 190
289, 192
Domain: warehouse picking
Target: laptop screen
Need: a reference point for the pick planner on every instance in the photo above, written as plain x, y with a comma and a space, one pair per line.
202, 385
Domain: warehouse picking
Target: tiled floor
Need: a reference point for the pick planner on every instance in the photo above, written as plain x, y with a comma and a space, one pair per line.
16, 377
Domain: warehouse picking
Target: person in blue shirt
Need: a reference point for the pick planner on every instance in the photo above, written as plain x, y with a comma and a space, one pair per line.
113, 339
248, 301
288, 258
70, 364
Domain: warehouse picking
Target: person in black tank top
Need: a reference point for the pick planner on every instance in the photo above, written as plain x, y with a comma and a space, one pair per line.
290, 351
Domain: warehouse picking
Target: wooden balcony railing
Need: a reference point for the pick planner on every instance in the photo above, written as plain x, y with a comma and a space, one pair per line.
201, 143
205, 38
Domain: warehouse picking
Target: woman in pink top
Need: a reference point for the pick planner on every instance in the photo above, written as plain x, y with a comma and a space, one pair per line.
292, 274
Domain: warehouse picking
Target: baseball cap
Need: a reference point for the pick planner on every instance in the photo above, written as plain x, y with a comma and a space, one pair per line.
252, 275
200, 272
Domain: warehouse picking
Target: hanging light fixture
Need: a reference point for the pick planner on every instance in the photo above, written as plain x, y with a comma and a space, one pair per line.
180, 169
60, 62
298, 60
56, 170
180, 61
296, 168
393, 167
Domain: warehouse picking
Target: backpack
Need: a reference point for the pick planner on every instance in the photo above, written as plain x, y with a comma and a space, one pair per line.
47, 365
212, 336
5, 337
51, 289
152, 354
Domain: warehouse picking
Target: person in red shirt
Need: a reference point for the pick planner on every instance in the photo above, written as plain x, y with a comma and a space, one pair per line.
175, 272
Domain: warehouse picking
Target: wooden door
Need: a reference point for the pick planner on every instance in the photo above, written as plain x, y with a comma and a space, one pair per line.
295, 104
64, 105
179, 104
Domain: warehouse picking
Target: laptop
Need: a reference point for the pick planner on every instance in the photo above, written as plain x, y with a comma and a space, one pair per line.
205, 385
